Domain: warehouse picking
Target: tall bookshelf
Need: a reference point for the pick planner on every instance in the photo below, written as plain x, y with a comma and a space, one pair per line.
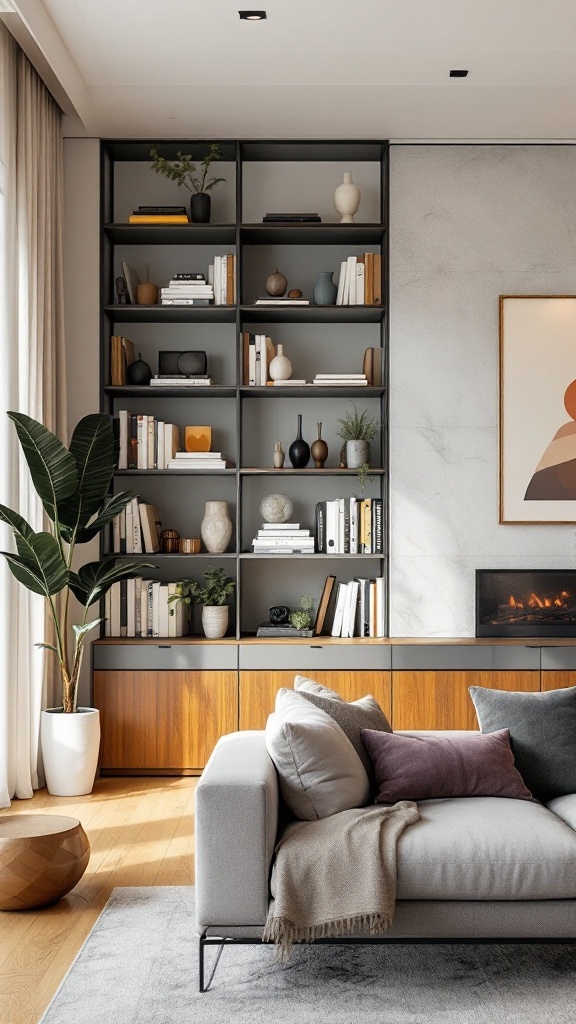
246, 420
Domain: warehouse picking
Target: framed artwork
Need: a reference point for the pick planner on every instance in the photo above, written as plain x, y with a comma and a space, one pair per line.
537, 409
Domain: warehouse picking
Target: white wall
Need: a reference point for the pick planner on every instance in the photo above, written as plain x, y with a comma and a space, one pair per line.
82, 302
468, 223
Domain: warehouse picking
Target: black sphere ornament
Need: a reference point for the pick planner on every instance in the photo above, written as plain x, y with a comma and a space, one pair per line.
299, 450
279, 614
138, 372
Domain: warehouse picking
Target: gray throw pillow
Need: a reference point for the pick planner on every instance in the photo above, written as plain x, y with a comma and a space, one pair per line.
542, 734
352, 717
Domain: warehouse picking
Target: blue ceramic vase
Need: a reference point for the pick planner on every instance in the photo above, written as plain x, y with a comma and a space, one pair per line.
325, 291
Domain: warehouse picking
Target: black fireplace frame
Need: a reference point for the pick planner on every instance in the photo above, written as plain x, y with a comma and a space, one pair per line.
510, 630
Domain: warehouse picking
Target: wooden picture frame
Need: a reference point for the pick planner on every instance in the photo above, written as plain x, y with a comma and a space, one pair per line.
537, 409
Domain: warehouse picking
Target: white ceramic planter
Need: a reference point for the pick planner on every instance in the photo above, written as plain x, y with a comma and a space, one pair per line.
215, 621
70, 745
357, 453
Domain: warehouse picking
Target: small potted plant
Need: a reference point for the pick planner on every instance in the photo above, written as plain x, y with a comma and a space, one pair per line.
357, 430
301, 618
194, 178
212, 595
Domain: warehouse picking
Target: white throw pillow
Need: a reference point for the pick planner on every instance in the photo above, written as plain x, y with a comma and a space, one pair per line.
320, 772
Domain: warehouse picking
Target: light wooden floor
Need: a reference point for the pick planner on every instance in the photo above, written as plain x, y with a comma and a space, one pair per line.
140, 832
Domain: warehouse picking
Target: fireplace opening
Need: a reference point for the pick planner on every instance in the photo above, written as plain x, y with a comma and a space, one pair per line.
526, 602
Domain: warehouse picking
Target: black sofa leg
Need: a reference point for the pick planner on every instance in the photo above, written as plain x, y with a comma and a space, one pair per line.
203, 986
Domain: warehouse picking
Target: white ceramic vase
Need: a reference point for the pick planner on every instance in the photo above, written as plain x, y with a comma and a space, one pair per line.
70, 745
347, 199
357, 453
216, 528
215, 621
280, 367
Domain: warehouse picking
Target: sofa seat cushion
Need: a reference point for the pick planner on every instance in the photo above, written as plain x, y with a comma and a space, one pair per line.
486, 848
564, 807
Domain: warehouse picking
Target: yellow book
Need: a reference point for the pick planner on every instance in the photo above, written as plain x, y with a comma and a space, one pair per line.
153, 218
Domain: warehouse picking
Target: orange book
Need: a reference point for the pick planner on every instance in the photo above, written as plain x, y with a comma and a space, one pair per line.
230, 279
153, 218
377, 279
369, 278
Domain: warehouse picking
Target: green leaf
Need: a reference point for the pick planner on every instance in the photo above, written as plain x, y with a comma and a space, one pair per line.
95, 453
21, 528
52, 467
50, 647
42, 570
112, 507
94, 579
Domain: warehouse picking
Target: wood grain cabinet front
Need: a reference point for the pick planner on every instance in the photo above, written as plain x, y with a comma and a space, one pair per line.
440, 700
163, 722
258, 690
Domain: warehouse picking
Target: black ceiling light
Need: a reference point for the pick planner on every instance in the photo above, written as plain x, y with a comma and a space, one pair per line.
455, 73
252, 15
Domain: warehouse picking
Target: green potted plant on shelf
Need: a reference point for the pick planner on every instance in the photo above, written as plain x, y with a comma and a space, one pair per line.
73, 484
194, 178
301, 618
213, 595
357, 430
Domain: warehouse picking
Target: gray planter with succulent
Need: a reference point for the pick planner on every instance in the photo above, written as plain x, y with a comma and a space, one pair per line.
357, 430
194, 178
73, 485
212, 595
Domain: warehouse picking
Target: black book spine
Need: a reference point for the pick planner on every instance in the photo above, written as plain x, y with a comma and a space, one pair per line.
320, 528
189, 277
378, 548
347, 527
133, 449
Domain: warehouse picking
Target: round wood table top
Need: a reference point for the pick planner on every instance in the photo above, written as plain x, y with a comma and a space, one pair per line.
30, 826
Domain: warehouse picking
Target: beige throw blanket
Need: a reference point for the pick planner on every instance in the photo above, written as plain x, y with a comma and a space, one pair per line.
336, 876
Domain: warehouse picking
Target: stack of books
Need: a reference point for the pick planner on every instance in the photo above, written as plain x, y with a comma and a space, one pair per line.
222, 276
179, 380
135, 529
270, 629
269, 300
349, 526
291, 218
187, 290
159, 215
122, 354
360, 608
345, 380
143, 608
145, 443
199, 460
283, 539
360, 282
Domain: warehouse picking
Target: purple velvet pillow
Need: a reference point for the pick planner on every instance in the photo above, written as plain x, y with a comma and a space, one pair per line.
429, 767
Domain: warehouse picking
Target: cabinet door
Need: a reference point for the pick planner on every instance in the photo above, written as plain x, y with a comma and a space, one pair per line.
440, 700
258, 690
163, 720
557, 680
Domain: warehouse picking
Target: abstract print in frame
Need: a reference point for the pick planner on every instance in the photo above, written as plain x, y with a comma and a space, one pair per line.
537, 409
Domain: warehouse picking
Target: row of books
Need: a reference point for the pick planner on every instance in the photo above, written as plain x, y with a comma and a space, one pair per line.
145, 443
222, 276
283, 539
360, 282
257, 354
122, 354
142, 608
349, 526
136, 528
360, 608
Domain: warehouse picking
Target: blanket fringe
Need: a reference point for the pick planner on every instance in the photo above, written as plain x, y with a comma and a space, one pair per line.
285, 933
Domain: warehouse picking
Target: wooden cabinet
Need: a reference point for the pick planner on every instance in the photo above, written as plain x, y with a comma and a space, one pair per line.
258, 690
557, 680
163, 722
440, 700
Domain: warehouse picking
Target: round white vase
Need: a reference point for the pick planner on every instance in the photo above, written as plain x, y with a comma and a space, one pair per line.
216, 528
357, 453
70, 745
215, 621
347, 199
280, 367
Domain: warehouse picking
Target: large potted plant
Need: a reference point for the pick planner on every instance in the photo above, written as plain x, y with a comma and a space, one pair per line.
195, 179
212, 594
73, 485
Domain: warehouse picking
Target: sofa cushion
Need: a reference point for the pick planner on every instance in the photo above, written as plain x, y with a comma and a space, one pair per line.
352, 716
423, 767
319, 771
486, 848
542, 734
564, 807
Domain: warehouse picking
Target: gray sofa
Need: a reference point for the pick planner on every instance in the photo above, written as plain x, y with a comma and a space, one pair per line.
474, 868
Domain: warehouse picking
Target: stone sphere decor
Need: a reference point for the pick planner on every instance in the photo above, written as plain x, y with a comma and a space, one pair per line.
42, 857
276, 508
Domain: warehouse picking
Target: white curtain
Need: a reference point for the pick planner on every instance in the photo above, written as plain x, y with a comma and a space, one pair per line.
31, 381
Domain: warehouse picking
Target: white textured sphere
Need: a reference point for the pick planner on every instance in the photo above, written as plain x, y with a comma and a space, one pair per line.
276, 508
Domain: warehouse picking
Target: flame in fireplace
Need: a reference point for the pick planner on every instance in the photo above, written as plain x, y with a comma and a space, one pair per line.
540, 602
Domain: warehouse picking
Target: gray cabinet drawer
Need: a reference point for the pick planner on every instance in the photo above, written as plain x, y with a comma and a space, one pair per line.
169, 657
559, 659
464, 657
303, 657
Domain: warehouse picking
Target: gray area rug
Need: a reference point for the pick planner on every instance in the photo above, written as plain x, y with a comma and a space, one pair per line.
139, 965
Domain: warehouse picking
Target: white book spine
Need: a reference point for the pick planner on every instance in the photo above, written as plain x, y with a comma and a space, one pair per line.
130, 608
332, 527
123, 418
341, 283
156, 608
339, 611
217, 271
151, 443
353, 526
137, 608
341, 521
258, 360
107, 614
161, 460
360, 283
163, 609
136, 531
351, 281
252, 362
211, 274
144, 608
142, 439
129, 529
172, 610
380, 606
223, 279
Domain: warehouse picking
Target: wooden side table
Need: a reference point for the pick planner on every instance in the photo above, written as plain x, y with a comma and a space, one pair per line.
42, 857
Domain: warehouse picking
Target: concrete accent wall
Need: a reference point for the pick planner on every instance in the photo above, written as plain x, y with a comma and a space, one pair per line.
468, 223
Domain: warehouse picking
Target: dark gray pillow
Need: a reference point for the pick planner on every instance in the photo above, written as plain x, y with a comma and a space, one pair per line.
351, 717
542, 734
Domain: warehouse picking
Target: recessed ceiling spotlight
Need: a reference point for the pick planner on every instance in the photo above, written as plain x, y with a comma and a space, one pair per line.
458, 74
252, 15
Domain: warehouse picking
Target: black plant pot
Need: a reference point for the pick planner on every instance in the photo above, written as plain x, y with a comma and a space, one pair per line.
299, 450
200, 205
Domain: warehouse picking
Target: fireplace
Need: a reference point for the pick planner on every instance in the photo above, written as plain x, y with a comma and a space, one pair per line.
526, 602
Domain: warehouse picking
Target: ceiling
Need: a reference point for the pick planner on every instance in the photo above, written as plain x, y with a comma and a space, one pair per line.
313, 69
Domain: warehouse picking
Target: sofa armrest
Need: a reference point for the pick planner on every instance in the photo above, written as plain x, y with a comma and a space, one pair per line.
236, 825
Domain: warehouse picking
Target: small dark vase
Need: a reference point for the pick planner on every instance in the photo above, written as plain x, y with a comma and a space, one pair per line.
200, 206
138, 373
319, 450
299, 451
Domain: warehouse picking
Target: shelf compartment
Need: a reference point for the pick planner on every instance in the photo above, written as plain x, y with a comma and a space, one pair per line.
312, 234
312, 149
311, 314
171, 234
312, 471
135, 391
171, 314
309, 391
